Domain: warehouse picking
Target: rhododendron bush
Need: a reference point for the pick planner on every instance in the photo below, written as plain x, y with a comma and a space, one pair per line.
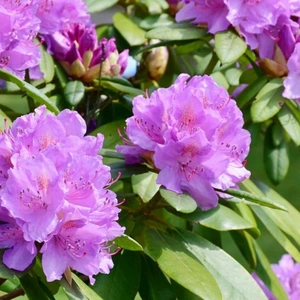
129, 149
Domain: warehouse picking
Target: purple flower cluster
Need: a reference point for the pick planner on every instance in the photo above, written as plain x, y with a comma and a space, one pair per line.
78, 50
192, 135
271, 26
288, 273
54, 196
22, 20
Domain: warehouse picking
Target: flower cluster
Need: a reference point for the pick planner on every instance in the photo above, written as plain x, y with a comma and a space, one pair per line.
79, 52
192, 134
271, 26
54, 196
23, 20
19, 27
288, 273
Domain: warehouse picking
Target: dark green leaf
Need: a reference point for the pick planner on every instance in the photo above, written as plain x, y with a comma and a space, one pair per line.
74, 92
120, 88
154, 284
181, 265
155, 6
97, 6
250, 91
234, 281
268, 101
259, 199
181, 202
126, 170
145, 185
133, 34
128, 243
30, 90
176, 32
276, 157
229, 46
123, 280
267, 275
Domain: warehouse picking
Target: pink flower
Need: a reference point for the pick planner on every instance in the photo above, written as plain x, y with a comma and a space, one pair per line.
192, 133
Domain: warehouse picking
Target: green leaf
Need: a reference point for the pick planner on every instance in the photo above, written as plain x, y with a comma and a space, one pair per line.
220, 79
85, 289
111, 153
32, 288
277, 233
74, 92
181, 265
220, 218
110, 131
128, 243
181, 202
97, 6
266, 274
47, 65
154, 284
120, 88
155, 6
290, 124
287, 222
276, 157
145, 185
176, 32
126, 170
268, 101
123, 280
30, 90
234, 281
259, 199
133, 34
156, 21
250, 91
229, 46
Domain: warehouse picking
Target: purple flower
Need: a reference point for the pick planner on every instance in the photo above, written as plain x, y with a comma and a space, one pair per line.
54, 193
291, 82
288, 273
20, 253
192, 134
211, 12
82, 57
59, 14
19, 27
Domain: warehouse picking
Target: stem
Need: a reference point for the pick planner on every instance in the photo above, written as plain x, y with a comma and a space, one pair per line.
12, 295
30, 101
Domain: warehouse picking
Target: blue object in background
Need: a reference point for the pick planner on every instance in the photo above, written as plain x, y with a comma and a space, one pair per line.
131, 68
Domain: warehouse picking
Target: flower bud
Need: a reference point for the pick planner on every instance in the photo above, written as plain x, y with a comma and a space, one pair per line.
156, 61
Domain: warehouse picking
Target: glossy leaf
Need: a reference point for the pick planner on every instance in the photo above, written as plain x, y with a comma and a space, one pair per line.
176, 32
128, 243
268, 101
154, 21
47, 65
229, 46
30, 90
220, 218
133, 34
290, 124
145, 185
250, 91
181, 265
181, 202
120, 88
123, 280
276, 157
234, 281
277, 233
97, 6
74, 92
259, 199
